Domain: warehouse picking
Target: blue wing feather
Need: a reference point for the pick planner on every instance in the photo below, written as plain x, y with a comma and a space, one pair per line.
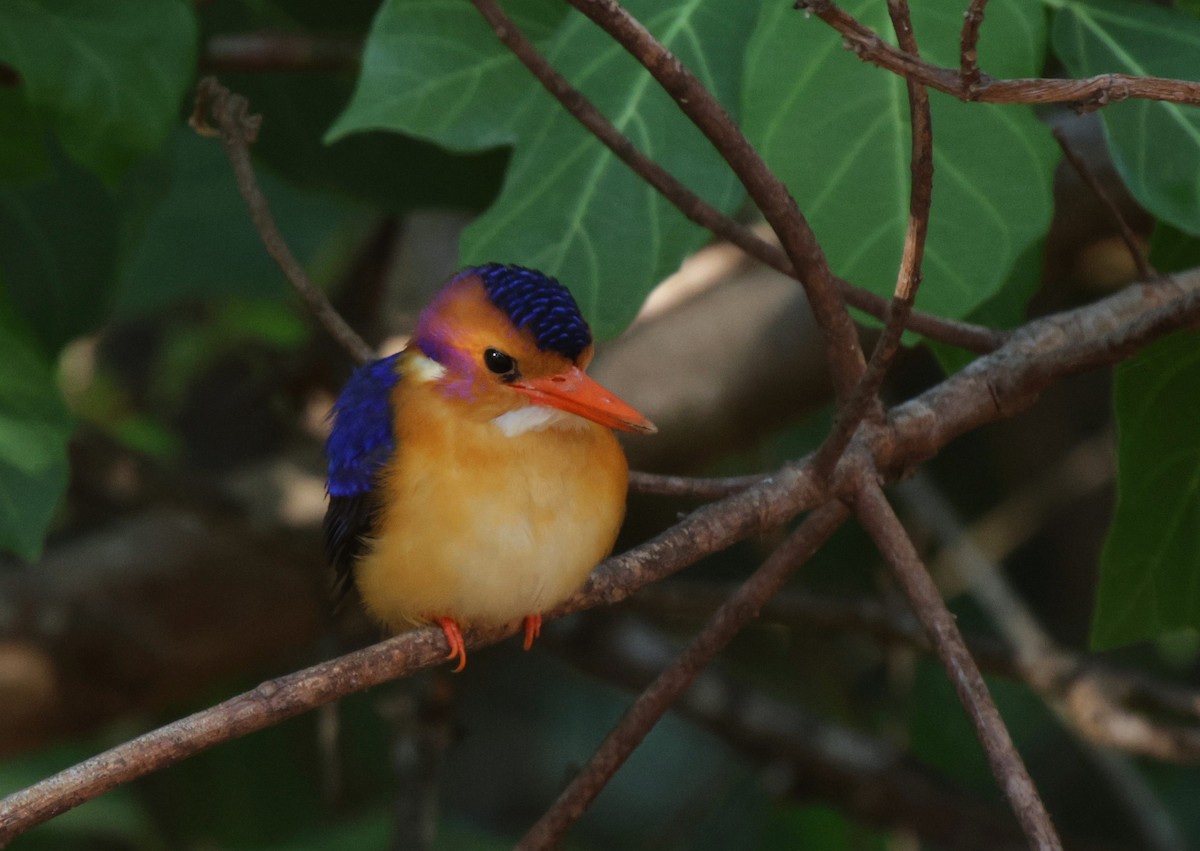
360, 443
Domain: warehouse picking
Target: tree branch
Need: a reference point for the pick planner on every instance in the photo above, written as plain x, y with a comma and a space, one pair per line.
1086, 94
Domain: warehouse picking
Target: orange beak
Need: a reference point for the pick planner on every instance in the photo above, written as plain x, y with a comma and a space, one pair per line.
574, 392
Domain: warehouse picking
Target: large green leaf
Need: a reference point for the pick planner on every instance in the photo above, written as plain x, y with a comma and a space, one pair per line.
34, 429
58, 247
1150, 568
568, 206
1155, 146
433, 68
106, 75
837, 131
1151, 560
191, 236
22, 152
390, 171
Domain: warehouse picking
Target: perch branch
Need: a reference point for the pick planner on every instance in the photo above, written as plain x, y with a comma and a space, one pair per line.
709, 529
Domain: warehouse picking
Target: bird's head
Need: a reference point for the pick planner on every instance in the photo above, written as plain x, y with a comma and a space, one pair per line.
508, 338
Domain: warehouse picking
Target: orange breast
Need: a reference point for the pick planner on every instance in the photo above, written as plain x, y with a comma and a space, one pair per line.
486, 528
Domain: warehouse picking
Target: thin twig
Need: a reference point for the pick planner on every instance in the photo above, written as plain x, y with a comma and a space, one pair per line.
696, 488
865, 399
968, 64
1085, 95
964, 335
273, 50
667, 687
769, 194
238, 129
1145, 271
884, 527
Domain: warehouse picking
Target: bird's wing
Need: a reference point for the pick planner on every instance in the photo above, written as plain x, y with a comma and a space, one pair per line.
361, 442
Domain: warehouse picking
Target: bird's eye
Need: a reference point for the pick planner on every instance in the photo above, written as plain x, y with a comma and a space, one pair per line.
499, 363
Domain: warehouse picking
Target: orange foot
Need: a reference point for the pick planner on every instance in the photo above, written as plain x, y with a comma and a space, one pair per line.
458, 649
533, 628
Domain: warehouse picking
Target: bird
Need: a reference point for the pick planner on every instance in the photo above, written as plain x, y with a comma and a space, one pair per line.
474, 478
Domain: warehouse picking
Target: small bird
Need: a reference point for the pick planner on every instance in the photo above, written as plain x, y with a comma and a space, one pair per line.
474, 477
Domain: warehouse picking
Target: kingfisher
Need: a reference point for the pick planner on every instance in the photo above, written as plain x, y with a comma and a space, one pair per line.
474, 477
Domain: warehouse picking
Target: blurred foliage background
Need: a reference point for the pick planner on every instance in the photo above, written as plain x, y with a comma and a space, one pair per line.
162, 404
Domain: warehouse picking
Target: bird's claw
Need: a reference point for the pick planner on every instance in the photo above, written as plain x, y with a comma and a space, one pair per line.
458, 648
533, 628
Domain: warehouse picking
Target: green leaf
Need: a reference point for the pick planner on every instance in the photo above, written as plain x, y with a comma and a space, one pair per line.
568, 206
394, 173
1006, 309
435, 69
22, 152
1155, 146
1172, 250
197, 240
106, 75
34, 429
1150, 567
58, 247
837, 131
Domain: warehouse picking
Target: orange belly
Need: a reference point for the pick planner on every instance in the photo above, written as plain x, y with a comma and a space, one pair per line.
485, 528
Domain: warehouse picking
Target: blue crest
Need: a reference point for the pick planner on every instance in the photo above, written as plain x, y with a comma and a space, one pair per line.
538, 303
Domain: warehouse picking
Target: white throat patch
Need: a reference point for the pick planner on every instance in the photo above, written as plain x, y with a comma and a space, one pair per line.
535, 418
423, 369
